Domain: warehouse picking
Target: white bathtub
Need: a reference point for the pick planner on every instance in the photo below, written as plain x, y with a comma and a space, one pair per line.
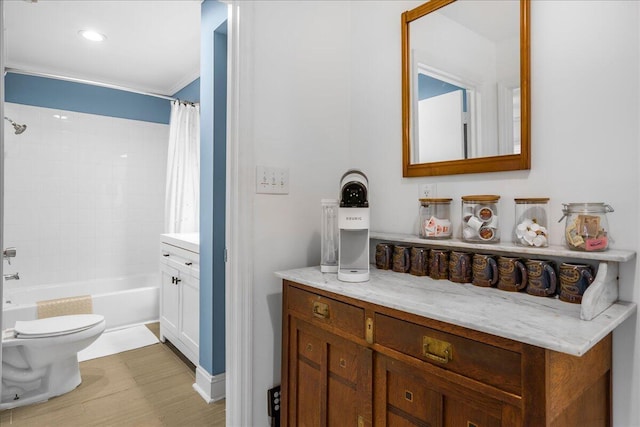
122, 301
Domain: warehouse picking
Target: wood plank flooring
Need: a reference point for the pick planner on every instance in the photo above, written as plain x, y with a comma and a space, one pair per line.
149, 386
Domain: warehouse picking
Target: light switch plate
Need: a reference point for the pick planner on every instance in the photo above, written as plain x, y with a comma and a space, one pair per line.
270, 180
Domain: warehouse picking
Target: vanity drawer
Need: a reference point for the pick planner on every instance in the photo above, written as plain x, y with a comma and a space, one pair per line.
326, 311
483, 362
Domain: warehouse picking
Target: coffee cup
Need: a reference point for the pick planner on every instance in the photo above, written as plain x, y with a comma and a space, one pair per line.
485, 270
460, 267
439, 264
512, 274
384, 256
401, 258
419, 261
574, 280
541, 277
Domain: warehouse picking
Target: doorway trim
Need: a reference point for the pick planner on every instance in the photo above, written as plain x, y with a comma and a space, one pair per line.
239, 219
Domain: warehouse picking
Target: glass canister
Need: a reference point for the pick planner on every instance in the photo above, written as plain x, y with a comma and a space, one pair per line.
531, 222
587, 228
329, 236
480, 219
435, 218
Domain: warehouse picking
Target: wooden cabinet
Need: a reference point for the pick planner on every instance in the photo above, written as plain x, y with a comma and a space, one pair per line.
347, 362
180, 299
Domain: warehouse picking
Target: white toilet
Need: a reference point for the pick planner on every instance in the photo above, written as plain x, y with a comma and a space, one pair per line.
40, 357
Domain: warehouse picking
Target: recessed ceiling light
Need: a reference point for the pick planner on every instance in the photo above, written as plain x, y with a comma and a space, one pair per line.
94, 36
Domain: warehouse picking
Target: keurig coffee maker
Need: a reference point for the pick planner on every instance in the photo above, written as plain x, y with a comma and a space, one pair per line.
353, 227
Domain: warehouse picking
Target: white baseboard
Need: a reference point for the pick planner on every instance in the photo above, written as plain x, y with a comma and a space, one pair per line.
210, 388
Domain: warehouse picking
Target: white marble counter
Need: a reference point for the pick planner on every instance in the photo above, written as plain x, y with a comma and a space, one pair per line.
540, 321
188, 241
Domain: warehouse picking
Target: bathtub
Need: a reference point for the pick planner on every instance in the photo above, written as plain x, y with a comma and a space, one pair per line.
122, 301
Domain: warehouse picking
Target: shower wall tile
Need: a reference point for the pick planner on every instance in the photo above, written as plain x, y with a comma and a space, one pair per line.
84, 197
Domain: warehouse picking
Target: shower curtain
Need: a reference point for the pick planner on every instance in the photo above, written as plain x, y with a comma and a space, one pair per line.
182, 207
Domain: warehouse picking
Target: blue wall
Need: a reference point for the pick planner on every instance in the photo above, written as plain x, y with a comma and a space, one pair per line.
429, 87
190, 92
84, 98
212, 185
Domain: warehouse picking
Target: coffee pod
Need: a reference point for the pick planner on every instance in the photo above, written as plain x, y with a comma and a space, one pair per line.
485, 213
486, 233
475, 223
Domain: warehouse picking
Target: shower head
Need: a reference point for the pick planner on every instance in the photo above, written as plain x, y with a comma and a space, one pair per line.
18, 128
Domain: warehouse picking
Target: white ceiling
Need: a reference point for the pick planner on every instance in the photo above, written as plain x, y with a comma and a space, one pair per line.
151, 45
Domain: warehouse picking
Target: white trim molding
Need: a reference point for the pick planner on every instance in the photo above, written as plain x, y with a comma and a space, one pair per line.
239, 217
210, 387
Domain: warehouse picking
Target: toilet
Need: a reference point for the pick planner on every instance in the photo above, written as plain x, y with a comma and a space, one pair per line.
40, 357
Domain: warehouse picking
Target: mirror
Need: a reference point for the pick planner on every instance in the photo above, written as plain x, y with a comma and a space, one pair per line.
465, 87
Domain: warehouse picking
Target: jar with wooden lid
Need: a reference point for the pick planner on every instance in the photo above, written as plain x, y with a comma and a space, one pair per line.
480, 218
531, 222
435, 218
586, 228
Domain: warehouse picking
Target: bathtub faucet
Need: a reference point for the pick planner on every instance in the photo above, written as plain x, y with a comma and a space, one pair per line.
14, 276
8, 254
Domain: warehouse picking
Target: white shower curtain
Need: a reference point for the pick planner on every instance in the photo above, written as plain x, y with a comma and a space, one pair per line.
182, 203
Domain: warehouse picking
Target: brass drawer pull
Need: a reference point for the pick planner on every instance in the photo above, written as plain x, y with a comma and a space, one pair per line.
437, 350
321, 310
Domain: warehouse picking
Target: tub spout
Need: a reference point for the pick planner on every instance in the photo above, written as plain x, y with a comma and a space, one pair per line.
14, 276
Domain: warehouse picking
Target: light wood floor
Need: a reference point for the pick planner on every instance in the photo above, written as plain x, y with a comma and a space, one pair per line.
149, 386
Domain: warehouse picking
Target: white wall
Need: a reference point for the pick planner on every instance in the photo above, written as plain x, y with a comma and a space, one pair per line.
301, 121
84, 197
327, 97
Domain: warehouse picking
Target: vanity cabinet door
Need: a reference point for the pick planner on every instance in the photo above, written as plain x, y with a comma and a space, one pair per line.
329, 379
169, 300
403, 398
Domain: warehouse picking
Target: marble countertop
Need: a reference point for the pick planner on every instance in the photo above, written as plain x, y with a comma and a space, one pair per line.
544, 322
188, 241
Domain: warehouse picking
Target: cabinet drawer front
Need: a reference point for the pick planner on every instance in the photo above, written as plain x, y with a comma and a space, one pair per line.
483, 362
322, 310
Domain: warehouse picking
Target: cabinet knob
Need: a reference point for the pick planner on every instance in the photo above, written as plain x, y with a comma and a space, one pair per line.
188, 263
165, 255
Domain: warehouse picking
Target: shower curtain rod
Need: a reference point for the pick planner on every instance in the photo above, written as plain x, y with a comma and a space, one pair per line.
89, 82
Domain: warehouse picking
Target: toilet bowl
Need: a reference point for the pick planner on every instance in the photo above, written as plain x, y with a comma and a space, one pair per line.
40, 357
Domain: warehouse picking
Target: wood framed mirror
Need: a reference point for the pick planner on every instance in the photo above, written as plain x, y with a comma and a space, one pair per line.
465, 87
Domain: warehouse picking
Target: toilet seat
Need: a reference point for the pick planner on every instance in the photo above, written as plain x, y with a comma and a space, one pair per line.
56, 326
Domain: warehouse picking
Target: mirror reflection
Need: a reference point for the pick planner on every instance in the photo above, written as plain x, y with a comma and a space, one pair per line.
463, 85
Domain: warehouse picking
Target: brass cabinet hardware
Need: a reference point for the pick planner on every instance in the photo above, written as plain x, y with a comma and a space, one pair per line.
368, 330
321, 310
437, 350
360, 421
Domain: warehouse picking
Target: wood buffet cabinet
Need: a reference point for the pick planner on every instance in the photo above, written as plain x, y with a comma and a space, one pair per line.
347, 362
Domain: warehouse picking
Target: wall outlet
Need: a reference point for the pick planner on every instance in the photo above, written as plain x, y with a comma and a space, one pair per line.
274, 398
427, 191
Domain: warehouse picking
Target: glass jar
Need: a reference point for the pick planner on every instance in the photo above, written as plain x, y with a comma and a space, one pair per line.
329, 236
531, 222
435, 218
587, 228
480, 219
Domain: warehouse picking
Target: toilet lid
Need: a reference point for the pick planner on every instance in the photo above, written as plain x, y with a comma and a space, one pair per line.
53, 326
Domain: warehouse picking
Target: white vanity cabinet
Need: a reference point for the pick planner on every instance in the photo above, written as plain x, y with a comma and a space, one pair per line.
180, 293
